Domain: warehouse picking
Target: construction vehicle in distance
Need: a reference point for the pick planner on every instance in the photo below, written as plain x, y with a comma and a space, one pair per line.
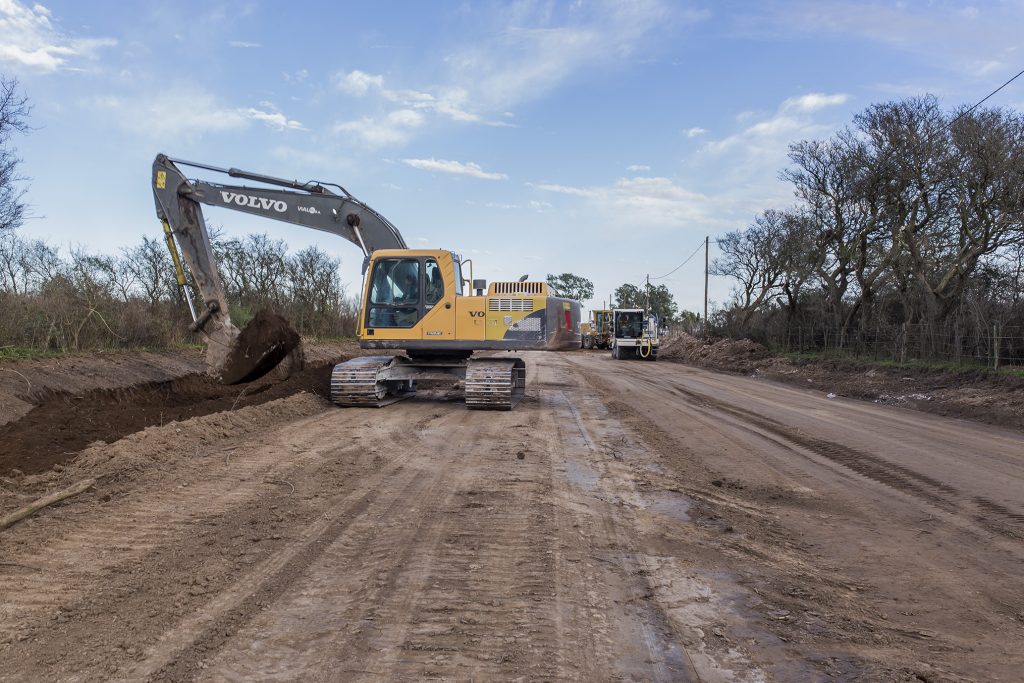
597, 333
413, 300
634, 334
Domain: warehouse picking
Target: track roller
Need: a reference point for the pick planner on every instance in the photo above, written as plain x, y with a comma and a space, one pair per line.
361, 382
495, 383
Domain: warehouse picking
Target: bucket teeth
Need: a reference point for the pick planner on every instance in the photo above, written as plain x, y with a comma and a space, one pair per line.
495, 384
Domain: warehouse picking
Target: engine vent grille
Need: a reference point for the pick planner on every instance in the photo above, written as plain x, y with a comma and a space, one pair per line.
519, 288
510, 305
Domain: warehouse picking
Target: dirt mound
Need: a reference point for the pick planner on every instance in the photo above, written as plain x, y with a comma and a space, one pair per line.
22, 380
62, 424
735, 355
266, 341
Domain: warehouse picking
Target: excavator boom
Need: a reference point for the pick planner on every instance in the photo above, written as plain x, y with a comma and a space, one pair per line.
234, 356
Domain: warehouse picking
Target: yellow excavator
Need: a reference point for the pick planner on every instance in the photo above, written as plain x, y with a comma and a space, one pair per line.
413, 300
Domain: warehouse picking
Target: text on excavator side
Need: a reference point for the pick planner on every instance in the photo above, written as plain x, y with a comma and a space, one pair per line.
254, 202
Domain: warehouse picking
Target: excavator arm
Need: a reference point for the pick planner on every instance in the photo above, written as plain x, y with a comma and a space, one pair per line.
234, 356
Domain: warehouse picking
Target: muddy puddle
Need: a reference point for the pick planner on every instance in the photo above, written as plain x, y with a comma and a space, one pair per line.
669, 504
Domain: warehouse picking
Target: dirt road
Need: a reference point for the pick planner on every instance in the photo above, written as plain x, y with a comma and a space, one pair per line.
628, 521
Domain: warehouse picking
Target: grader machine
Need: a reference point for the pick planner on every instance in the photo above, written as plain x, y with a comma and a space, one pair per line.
597, 332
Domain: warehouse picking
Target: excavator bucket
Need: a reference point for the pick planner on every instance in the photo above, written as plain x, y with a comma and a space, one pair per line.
259, 348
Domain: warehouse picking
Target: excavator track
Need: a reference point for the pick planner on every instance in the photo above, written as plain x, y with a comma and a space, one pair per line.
495, 384
357, 382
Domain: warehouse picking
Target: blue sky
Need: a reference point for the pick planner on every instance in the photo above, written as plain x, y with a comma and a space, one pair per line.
601, 138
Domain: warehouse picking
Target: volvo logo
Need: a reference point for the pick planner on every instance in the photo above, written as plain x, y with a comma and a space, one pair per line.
252, 202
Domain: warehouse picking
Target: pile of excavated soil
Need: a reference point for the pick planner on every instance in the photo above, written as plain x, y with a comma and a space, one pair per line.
22, 380
127, 396
265, 342
734, 355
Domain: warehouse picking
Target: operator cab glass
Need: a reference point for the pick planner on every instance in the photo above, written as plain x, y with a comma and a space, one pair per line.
629, 324
394, 293
434, 282
403, 290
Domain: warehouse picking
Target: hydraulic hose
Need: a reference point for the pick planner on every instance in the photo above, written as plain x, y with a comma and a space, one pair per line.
650, 347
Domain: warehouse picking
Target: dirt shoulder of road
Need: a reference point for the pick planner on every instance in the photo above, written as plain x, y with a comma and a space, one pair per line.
982, 396
53, 408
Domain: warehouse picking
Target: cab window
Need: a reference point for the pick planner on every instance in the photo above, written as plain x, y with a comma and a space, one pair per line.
394, 293
434, 282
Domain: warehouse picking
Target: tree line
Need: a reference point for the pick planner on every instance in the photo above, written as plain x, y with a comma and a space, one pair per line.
83, 300
907, 226
658, 299
78, 300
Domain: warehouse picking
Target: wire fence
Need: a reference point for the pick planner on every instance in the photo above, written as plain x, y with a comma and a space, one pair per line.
992, 346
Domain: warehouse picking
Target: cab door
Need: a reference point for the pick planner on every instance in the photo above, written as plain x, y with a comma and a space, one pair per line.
438, 299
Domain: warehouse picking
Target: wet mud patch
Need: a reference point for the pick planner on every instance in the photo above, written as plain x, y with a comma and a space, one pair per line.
61, 424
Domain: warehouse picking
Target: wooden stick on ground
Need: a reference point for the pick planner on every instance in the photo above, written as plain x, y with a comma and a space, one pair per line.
39, 504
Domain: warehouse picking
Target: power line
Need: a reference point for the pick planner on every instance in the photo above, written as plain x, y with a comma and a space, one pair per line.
982, 100
695, 251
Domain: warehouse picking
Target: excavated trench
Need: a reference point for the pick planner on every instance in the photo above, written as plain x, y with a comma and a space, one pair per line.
62, 424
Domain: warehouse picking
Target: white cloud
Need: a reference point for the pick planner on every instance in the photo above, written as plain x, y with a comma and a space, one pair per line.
635, 168
455, 167
449, 102
764, 143
244, 44
954, 35
358, 83
695, 131
645, 200
813, 102
536, 48
29, 39
532, 48
299, 76
175, 111
393, 129
565, 189
186, 110
272, 119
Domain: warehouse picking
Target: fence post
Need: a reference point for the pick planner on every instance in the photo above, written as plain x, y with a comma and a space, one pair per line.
995, 346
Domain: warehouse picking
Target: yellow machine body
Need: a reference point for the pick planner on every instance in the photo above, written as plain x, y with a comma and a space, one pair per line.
415, 300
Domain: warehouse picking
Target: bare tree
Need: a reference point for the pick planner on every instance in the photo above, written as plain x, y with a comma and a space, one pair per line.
752, 257
14, 111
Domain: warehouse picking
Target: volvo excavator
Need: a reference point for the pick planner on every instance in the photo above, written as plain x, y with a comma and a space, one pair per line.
413, 300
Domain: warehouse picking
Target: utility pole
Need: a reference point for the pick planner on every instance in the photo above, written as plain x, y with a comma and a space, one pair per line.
707, 242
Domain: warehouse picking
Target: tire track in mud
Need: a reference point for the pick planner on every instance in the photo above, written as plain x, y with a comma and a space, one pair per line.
893, 475
183, 652
100, 566
70, 565
202, 637
666, 657
487, 604
453, 582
